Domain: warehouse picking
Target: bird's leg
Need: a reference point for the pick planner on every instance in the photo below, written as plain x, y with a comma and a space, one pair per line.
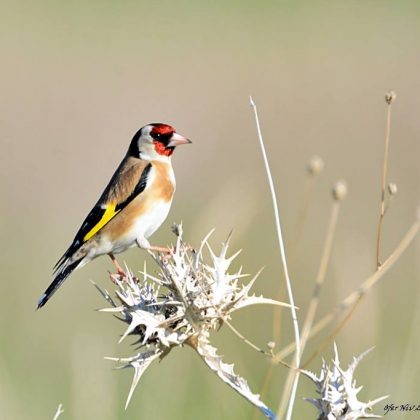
166, 251
117, 266
145, 244
163, 249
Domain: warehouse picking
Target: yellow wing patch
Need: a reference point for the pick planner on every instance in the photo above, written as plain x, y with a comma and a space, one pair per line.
109, 213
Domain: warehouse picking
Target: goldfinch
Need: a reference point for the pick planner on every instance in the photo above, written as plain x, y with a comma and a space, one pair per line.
133, 206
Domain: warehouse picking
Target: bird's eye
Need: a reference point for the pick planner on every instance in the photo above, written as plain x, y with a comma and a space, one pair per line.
158, 136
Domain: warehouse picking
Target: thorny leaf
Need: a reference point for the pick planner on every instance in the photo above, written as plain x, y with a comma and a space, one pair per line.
225, 372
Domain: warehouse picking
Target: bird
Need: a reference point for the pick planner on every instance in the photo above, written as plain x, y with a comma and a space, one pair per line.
132, 207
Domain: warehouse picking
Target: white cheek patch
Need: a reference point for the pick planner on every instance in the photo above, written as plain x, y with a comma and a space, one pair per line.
147, 148
148, 152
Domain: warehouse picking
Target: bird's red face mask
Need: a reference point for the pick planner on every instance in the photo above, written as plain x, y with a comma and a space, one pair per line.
165, 139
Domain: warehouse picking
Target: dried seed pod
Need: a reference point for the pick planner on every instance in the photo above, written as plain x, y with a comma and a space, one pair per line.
339, 190
315, 166
271, 345
392, 188
390, 97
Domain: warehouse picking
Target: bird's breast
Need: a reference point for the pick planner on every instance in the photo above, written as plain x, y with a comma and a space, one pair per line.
154, 206
145, 214
162, 181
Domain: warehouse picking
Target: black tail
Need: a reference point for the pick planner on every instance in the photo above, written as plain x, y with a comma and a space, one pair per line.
57, 282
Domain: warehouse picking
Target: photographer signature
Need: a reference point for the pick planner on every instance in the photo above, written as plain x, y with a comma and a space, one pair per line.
388, 408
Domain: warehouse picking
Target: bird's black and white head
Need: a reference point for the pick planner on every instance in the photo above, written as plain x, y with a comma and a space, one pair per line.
156, 141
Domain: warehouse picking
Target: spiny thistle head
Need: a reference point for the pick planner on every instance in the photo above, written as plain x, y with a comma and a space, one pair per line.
338, 392
186, 300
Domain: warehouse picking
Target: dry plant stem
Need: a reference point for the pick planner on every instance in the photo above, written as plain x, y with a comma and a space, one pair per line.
300, 220
283, 259
383, 188
331, 336
277, 317
326, 255
254, 346
245, 340
363, 289
297, 233
313, 304
58, 412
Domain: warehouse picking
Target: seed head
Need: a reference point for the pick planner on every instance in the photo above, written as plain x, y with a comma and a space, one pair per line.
392, 188
271, 345
390, 97
315, 166
339, 190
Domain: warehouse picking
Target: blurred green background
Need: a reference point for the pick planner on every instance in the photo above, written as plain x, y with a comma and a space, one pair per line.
79, 78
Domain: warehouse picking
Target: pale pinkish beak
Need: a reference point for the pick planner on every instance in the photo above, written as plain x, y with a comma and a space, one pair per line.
177, 140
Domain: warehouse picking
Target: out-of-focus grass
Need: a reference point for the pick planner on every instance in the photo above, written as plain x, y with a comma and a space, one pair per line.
79, 79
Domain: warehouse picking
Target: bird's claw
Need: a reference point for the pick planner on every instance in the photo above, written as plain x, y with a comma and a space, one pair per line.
167, 256
117, 277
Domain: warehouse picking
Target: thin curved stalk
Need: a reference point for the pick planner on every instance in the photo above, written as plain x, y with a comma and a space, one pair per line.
284, 262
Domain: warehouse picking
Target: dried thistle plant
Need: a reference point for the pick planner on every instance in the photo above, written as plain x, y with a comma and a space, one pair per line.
182, 304
338, 392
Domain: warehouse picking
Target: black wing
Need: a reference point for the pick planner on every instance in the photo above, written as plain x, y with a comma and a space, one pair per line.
100, 215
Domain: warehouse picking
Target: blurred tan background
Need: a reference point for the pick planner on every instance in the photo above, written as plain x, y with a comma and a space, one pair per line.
79, 78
